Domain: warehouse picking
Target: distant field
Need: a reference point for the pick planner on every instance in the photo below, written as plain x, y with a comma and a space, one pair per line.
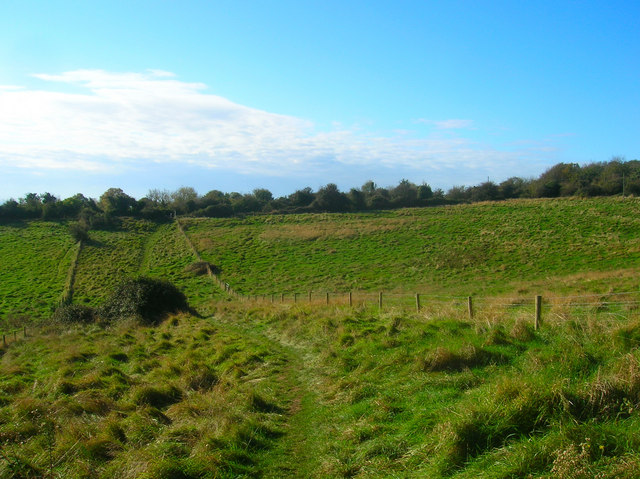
523, 247
483, 248
34, 258
138, 247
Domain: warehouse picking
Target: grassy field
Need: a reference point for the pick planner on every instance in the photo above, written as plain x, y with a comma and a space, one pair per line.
480, 249
254, 389
187, 399
401, 395
35, 258
295, 391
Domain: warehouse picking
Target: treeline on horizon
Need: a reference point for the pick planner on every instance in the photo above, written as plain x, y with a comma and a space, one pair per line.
615, 177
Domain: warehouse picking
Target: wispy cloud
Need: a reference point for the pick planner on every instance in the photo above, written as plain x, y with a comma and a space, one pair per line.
116, 121
452, 124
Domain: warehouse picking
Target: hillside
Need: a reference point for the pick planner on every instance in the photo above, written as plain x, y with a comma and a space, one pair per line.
485, 248
520, 247
253, 389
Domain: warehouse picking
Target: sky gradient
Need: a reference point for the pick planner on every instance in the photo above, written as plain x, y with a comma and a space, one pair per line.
286, 94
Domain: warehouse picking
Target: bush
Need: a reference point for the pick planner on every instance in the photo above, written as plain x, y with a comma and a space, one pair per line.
79, 231
146, 299
74, 313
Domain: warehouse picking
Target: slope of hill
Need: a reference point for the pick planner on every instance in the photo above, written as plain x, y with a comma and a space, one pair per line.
473, 249
304, 390
566, 246
35, 258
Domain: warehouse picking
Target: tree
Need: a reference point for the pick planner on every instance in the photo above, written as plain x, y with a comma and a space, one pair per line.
159, 197
424, 192
184, 199
405, 194
264, 196
357, 200
301, 198
114, 201
245, 204
487, 191
459, 193
513, 187
31, 205
329, 198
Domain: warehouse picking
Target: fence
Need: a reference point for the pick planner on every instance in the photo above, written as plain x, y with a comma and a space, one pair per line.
554, 307
13, 333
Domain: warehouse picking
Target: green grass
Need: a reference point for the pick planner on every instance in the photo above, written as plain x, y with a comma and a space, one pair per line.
399, 395
480, 249
139, 402
109, 257
167, 256
138, 247
258, 390
35, 258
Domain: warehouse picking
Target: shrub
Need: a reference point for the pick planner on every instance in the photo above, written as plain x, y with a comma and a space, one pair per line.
146, 299
74, 313
79, 231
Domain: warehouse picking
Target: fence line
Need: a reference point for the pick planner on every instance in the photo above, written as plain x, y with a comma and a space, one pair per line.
15, 332
474, 306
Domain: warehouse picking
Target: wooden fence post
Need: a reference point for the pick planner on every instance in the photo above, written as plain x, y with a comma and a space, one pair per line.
24, 329
327, 297
380, 299
536, 324
295, 297
470, 306
418, 302
282, 297
350, 299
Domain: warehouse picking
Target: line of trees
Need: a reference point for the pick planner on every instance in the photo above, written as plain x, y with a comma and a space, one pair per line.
616, 177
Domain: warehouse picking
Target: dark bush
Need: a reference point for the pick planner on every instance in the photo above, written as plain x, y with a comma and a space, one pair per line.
74, 313
79, 231
146, 299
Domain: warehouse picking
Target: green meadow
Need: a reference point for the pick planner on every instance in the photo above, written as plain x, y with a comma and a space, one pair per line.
479, 249
243, 387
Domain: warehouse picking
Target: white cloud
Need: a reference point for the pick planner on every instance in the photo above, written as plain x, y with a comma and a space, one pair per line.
452, 124
116, 121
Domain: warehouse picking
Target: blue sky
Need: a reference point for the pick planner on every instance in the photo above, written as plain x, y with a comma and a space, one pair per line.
287, 94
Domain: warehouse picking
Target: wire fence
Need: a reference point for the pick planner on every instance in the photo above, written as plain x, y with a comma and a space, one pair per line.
614, 305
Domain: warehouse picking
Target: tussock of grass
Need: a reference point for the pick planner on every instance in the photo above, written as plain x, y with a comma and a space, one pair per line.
116, 413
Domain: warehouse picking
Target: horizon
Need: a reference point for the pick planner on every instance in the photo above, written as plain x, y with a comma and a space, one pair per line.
287, 95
